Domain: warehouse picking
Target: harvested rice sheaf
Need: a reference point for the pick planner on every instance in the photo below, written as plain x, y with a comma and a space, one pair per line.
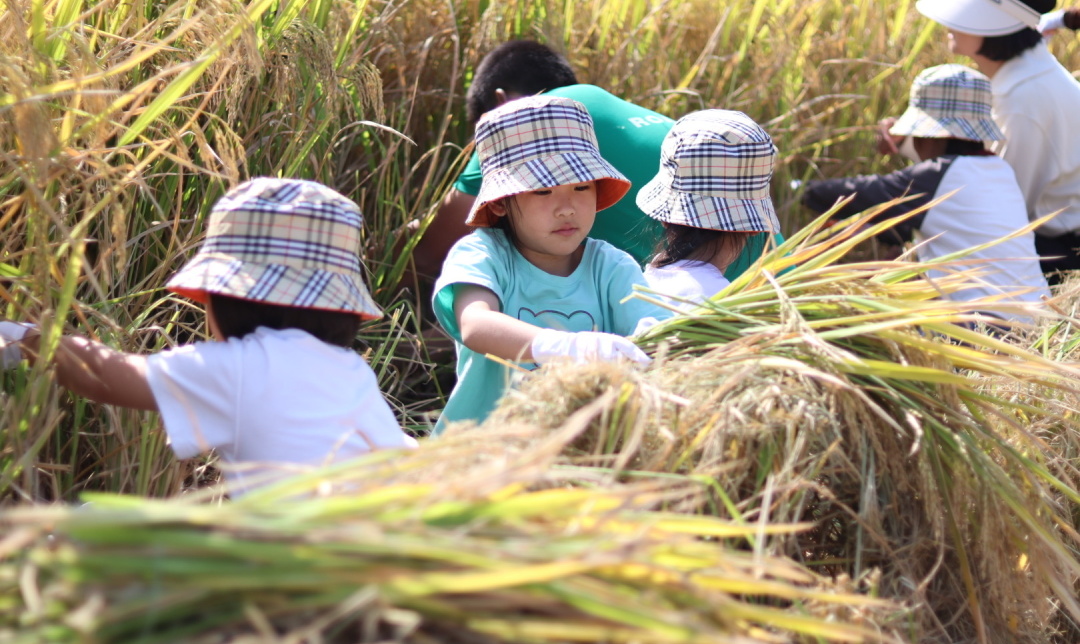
942, 458
384, 559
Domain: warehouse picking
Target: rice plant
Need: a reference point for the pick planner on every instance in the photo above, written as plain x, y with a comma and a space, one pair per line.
383, 550
927, 464
849, 396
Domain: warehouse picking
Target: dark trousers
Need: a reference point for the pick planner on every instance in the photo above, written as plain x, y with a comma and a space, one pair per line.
1058, 254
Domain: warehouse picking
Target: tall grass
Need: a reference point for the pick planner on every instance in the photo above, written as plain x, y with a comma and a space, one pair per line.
122, 122
401, 553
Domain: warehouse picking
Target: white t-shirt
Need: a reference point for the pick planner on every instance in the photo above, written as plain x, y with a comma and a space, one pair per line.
686, 279
271, 400
985, 205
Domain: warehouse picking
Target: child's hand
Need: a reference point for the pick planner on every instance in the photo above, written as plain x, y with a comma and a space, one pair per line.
887, 143
11, 334
585, 346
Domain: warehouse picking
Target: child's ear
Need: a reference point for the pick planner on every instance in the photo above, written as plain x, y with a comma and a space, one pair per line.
497, 207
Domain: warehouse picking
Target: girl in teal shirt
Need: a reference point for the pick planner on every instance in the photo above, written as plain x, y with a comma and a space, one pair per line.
529, 285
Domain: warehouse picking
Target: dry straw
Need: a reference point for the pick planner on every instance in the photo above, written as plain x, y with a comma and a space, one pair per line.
940, 458
941, 474
391, 549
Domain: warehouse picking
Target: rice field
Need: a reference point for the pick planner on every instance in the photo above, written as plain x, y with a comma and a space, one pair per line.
822, 455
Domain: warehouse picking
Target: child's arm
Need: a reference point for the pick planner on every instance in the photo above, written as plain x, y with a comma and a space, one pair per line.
95, 371
919, 182
486, 329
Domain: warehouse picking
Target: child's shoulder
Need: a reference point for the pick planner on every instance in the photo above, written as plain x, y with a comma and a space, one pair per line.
486, 240
261, 340
602, 256
926, 174
483, 247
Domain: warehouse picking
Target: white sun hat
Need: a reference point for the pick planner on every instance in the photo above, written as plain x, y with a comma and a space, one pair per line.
980, 17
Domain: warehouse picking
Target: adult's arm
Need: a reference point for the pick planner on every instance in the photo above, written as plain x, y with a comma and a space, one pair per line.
445, 229
1051, 22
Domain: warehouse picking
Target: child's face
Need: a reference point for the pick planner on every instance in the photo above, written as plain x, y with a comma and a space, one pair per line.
964, 44
551, 224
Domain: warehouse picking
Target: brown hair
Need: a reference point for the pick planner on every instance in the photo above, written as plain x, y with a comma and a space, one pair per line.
702, 244
237, 317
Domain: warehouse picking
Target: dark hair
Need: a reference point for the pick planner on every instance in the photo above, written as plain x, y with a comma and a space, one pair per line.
1072, 19
236, 318
523, 67
964, 147
1009, 46
686, 242
504, 224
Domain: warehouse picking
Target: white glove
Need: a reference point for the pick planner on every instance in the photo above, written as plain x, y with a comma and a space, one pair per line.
11, 333
1051, 21
584, 346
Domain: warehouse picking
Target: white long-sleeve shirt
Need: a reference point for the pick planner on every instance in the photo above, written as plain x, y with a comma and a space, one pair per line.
1036, 103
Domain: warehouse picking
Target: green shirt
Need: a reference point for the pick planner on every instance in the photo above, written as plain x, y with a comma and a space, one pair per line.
589, 299
629, 137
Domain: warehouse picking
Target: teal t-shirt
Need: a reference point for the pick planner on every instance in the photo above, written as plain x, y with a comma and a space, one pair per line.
629, 137
589, 299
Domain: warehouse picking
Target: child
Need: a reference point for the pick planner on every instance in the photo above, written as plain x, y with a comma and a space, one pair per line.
528, 284
945, 129
712, 194
280, 277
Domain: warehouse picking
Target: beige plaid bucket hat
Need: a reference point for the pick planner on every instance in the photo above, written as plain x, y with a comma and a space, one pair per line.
715, 169
949, 101
288, 242
540, 142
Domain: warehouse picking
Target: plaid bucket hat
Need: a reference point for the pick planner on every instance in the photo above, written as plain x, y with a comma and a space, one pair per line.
715, 168
540, 142
281, 241
949, 101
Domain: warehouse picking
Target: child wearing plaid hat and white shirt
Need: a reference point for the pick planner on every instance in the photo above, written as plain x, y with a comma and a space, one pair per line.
528, 284
280, 276
712, 194
944, 132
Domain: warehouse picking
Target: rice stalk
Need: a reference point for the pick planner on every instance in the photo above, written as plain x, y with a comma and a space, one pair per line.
486, 560
849, 397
